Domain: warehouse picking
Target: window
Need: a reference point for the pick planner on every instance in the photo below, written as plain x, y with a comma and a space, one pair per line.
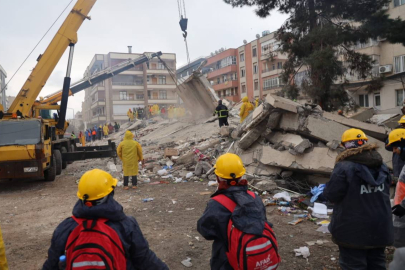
218, 80
399, 62
140, 96
400, 97
271, 83
398, 3
243, 88
162, 79
242, 73
279, 65
377, 100
162, 94
254, 52
224, 78
123, 96
255, 69
242, 57
363, 101
273, 66
256, 85
160, 66
234, 77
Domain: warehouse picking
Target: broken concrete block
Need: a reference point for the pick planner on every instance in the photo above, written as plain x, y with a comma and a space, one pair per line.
333, 144
319, 160
290, 122
224, 131
267, 185
169, 152
202, 167
250, 137
286, 139
189, 156
282, 103
259, 114
304, 145
375, 131
262, 170
274, 119
234, 134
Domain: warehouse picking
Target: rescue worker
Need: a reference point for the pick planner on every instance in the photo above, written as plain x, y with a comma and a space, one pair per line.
359, 188
223, 113
100, 132
249, 217
130, 152
246, 108
256, 102
3, 259
396, 141
163, 112
96, 201
73, 136
93, 134
397, 162
105, 131
130, 115
116, 126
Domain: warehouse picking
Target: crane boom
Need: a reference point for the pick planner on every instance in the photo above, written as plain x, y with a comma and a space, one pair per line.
66, 35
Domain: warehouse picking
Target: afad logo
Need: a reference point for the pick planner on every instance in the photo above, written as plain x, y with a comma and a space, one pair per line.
264, 264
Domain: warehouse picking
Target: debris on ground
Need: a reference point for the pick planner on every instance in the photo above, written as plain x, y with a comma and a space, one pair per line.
302, 251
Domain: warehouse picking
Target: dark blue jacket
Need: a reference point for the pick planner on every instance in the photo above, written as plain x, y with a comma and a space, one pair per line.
140, 256
359, 188
249, 216
397, 162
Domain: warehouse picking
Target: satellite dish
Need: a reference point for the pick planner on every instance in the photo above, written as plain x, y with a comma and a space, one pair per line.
244, 41
257, 36
216, 52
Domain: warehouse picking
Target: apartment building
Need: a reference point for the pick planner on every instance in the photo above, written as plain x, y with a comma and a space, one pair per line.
3, 98
143, 85
390, 62
222, 71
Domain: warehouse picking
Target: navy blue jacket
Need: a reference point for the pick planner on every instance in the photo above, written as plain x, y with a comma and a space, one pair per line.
362, 212
140, 256
249, 216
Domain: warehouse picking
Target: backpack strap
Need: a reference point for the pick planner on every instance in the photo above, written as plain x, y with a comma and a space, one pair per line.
88, 223
227, 202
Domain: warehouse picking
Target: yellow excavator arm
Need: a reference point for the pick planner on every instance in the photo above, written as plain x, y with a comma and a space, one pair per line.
47, 62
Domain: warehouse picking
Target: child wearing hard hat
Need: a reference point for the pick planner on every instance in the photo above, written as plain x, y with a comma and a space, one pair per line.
249, 214
359, 186
100, 225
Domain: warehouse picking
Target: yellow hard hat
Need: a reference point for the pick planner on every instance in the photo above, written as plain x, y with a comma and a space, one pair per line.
245, 99
402, 120
229, 166
353, 134
396, 135
95, 184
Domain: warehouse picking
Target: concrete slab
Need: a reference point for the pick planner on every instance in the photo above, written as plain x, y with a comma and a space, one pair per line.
263, 170
377, 132
282, 103
320, 160
286, 139
266, 185
251, 136
224, 131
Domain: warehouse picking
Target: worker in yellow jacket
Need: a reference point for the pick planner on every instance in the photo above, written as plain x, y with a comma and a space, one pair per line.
246, 108
256, 102
130, 115
130, 152
105, 131
3, 260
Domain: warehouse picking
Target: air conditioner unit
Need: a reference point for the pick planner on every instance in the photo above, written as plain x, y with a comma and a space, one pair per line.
385, 69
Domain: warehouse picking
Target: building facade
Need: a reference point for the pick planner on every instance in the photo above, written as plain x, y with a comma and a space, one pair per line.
390, 62
251, 70
147, 84
3, 98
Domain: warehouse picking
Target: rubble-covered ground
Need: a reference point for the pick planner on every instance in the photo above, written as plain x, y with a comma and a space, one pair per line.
284, 145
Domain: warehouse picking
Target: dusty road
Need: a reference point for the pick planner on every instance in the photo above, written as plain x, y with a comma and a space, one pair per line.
30, 211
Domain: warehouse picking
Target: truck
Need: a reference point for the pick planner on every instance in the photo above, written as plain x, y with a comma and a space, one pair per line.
32, 143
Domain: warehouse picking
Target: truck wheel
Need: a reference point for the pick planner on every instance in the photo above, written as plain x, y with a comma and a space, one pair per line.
64, 163
50, 173
58, 164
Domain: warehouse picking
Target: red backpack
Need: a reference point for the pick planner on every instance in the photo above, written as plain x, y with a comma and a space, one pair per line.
94, 245
249, 251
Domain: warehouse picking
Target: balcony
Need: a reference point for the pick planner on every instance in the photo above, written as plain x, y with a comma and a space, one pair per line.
97, 103
221, 71
270, 72
161, 86
225, 85
98, 118
127, 83
162, 101
273, 55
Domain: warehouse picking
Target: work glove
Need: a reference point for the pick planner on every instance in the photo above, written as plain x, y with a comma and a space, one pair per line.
398, 210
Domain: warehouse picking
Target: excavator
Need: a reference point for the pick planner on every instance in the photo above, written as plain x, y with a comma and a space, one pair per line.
32, 143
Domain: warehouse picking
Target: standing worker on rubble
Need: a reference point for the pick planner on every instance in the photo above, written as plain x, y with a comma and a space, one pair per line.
397, 162
3, 260
360, 189
130, 115
116, 126
223, 113
99, 235
396, 141
246, 108
130, 152
105, 131
256, 102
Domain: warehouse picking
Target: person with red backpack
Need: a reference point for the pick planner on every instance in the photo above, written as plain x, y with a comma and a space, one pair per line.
235, 219
99, 235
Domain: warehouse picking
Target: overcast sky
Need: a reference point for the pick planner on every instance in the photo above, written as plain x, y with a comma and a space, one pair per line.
147, 25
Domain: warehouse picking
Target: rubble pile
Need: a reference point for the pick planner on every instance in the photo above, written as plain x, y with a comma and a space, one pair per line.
283, 142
